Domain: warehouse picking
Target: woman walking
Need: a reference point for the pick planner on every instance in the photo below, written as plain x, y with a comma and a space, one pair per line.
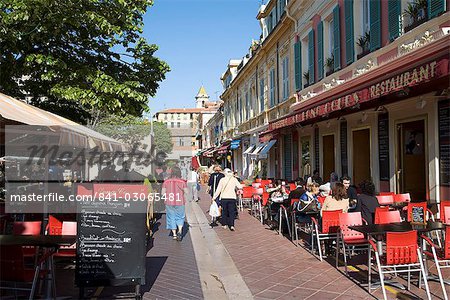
175, 190
226, 189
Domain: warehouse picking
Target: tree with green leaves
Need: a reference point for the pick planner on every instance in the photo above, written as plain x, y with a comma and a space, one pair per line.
163, 138
135, 130
78, 58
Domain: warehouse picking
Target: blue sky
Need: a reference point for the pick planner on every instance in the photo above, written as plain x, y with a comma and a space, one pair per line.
197, 38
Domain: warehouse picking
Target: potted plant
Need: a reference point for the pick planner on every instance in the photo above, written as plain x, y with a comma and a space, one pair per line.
329, 64
364, 43
306, 77
417, 13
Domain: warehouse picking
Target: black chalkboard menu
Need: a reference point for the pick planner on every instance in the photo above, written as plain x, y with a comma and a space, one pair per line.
444, 141
111, 236
383, 145
316, 149
344, 159
418, 215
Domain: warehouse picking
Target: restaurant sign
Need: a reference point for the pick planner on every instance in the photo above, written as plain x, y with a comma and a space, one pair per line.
412, 77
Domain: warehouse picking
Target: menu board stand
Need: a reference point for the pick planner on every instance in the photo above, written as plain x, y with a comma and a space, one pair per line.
111, 237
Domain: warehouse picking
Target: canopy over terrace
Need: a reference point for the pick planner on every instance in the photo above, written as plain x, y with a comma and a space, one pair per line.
15, 112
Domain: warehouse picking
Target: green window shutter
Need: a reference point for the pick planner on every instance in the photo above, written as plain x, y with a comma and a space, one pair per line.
435, 8
375, 25
311, 56
349, 38
298, 65
394, 18
320, 50
337, 39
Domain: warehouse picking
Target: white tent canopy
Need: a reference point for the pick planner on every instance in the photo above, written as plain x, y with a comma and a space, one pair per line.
70, 133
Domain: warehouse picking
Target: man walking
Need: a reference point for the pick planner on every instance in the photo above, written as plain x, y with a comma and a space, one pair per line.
192, 184
212, 186
214, 180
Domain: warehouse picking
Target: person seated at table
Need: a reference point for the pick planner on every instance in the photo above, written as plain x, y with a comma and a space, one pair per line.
308, 202
299, 190
324, 191
367, 202
337, 200
277, 196
351, 191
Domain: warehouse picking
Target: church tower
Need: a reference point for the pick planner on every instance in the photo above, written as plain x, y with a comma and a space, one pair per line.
201, 98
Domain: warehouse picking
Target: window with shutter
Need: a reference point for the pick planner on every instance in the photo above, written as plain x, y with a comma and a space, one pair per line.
394, 19
435, 8
311, 56
320, 50
261, 94
272, 87
337, 39
375, 25
349, 32
285, 78
298, 65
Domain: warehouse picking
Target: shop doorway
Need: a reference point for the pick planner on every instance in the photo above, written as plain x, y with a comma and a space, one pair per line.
410, 160
306, 157
361, 155
328, 156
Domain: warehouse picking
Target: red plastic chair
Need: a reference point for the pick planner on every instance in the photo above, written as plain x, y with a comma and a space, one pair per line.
402, 197
441, 256
54, 226
446, 219
385, 199
27, 228
350, 237
402, 255
378, 211
257, 194
292, 187
246, 196
390, 216
386, 193
330, 225
444, 210
256, 185
68, 228
428, 213
321, 199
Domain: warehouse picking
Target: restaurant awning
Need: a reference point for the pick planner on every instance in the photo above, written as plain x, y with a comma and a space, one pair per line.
70, 133
258, 149
235, 144
223, 149
263, 153
249, 149
208, 152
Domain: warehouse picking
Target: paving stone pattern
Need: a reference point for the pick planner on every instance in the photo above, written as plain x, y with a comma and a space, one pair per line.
274, 268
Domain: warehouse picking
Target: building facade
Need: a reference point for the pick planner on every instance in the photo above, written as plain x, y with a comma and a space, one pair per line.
353, 87
185, 124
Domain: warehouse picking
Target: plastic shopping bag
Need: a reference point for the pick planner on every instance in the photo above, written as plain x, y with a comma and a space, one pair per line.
214, 210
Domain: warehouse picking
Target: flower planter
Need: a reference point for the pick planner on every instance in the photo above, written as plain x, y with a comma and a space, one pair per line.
416, 23
362, 54
305, 85
328, 73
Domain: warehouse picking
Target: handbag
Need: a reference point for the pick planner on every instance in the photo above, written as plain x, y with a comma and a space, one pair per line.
308, 206
214, 210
